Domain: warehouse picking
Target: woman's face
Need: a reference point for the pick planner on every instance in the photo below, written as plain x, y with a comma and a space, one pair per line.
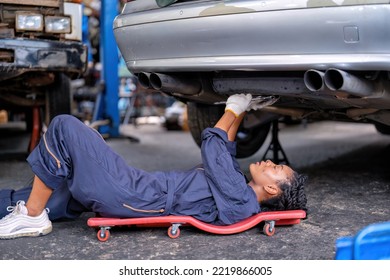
268, 173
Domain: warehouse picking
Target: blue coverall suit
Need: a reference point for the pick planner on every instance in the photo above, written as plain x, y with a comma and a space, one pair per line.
88, 176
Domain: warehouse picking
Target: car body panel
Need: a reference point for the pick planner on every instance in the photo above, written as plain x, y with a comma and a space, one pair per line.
43, 55
44, 3
209, 42
265, 48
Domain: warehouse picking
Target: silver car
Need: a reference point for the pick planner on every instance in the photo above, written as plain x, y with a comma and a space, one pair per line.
321, 59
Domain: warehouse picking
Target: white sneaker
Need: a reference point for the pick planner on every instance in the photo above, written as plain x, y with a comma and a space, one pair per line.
18, 223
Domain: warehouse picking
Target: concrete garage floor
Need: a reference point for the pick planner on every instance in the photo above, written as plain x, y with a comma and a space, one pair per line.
348, 189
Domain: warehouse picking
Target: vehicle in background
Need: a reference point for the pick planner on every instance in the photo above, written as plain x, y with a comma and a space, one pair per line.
41, 50
175, 116
325, 60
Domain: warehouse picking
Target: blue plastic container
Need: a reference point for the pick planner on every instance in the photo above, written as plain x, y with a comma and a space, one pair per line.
370, 243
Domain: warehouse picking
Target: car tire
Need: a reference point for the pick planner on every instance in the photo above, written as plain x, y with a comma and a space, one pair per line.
172, 125
58, 98
201, 116
382, 128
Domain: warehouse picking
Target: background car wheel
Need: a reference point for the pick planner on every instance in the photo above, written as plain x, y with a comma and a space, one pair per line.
249, 141
58, 98
201, 116
383, 129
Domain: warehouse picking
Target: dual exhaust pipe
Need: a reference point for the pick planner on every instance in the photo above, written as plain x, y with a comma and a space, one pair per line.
338, 80
169, 83
315, 80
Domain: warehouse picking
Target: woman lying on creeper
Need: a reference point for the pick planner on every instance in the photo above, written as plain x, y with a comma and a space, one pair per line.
75, 171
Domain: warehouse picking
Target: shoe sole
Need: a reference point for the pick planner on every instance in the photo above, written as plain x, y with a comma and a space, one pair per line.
35, 233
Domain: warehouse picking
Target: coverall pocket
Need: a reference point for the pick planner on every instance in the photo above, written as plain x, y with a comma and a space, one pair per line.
143, 210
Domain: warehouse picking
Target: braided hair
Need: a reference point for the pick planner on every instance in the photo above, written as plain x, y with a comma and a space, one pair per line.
293, 195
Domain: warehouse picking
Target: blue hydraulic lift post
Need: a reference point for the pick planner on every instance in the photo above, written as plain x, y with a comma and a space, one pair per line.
108, 102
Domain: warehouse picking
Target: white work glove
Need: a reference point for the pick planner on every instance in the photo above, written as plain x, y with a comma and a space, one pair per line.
238, 103
260, 102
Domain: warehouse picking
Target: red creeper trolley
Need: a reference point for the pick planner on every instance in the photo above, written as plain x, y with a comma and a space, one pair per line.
270, 219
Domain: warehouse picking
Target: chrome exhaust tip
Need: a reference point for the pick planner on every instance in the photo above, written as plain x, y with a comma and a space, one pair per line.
314, 80
144, 80
339, 80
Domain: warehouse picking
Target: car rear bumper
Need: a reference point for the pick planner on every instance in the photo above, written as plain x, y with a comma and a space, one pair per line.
24, 55
346, 37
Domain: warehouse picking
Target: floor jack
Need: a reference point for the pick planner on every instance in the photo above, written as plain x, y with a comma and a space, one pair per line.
278, 154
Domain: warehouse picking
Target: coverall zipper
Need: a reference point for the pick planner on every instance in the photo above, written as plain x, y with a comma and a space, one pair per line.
144, 211
50, 152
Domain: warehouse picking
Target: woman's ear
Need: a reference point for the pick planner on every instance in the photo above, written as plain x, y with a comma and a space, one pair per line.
272, 189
